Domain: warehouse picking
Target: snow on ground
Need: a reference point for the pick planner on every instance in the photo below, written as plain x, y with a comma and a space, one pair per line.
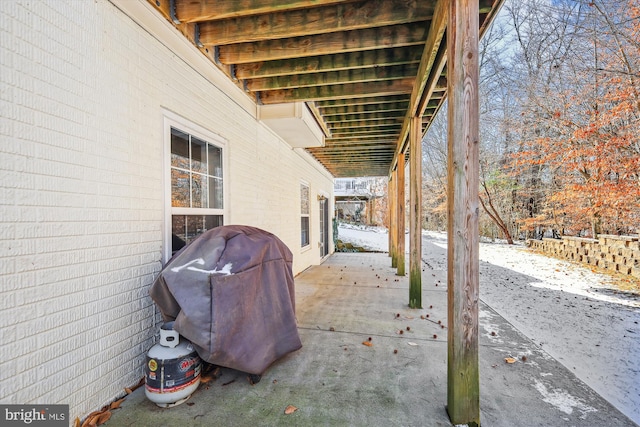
576, 315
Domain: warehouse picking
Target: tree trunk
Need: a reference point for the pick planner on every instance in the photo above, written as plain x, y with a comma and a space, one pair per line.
494, 215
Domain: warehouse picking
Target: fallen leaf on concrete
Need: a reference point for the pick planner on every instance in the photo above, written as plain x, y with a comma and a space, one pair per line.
367, 343
116, 404
91, 418
290, 409
96, 418
412, 343
130, 390
510, 360
103, 418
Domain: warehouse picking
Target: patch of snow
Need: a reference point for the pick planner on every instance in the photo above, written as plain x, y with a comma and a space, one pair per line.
491, 330
562, 400
371, 238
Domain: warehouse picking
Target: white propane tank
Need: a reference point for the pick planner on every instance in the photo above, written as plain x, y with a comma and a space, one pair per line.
172, 371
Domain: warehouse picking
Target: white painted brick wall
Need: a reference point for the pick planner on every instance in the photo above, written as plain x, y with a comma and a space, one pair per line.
82, 91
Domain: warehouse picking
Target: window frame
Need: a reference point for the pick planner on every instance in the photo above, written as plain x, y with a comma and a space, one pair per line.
172, 120
307, 215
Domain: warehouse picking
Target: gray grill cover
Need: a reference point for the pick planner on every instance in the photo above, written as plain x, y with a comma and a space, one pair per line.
231, 293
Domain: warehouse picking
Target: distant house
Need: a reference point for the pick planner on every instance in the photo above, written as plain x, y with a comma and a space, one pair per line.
355, 200
118, 147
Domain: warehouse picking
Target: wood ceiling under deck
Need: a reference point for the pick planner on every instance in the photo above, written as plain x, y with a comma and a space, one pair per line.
363, 67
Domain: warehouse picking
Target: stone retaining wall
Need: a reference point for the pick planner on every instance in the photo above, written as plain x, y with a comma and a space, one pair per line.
620, 254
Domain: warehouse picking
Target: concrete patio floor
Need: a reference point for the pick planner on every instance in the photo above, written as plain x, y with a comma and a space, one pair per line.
400, 380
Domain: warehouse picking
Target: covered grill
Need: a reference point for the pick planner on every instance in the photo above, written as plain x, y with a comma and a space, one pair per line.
231, 293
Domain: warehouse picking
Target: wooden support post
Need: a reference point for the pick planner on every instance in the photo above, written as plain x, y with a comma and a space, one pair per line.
389, 213
400, 250
392, 221
463, 390
415, 213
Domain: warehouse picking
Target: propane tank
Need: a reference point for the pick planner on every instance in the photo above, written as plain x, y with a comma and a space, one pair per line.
172, 371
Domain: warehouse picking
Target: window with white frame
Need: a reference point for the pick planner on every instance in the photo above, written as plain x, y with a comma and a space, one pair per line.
197, 197
304, 215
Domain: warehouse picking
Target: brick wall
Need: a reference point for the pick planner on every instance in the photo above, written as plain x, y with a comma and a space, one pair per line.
620, 254
82, 93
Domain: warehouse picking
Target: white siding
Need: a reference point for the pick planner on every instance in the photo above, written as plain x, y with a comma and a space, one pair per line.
83, 90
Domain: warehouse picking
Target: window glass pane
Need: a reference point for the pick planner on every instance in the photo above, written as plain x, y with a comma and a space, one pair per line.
212, 221
304, 235
185, 228
215, 161
304, 200
199, 191
179, 188
178, 233
215, 193
198, 155
195, 226
179, 149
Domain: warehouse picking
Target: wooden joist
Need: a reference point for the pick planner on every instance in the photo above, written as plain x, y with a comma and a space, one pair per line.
314, 21
332, 62
364, 108
323, 44
369, 153
383, 116
206, 10
361, 100
339, 126
391, 87
371, 131
359, 75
